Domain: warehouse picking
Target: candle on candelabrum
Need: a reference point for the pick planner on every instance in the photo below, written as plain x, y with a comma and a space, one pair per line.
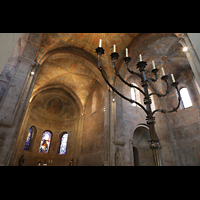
163, 71
140, 57
114, 48
153, 63
173, 79
100, 43
126, 52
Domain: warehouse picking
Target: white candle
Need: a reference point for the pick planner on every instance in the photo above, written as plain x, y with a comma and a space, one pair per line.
126, 52
114, 48
100, 42
140, 58
173, 79
153, 63
163, 71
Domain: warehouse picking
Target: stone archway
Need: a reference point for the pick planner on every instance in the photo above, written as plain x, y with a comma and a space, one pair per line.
142, 154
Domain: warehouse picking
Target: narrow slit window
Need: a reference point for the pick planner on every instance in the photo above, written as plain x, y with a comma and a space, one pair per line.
29, 137
63, 145
133, 96
186, 101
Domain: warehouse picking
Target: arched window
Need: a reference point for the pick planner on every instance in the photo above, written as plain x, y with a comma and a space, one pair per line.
29, 138
94, 102
133, 96
186, 101
45, 142
63, 144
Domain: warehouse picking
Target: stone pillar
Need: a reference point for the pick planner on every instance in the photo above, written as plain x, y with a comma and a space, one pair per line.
14, 104
194, 39
106, 127
109, 128
7, 44
192, 56
112, 110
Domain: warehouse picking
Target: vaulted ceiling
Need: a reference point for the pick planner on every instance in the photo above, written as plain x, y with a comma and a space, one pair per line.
69, 59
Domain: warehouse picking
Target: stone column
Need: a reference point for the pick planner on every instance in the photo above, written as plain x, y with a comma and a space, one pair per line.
192, 56
13, 106
106, 127
7, 44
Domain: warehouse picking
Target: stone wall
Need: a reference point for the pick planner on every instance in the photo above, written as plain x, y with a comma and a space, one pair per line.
92, 146
130, 117
7, 43
11, 65
185, 124
178, 132
16, 96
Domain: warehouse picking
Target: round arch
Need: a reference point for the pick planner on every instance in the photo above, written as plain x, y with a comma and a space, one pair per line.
45, 141
92, 62
65, 89
142, 154
63, 146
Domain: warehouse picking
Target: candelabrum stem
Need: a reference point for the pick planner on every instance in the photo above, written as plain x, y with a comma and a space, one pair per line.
154, 140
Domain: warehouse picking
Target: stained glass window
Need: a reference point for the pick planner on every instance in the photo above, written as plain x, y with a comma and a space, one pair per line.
63, 145
133, 96
28, 139
45, 142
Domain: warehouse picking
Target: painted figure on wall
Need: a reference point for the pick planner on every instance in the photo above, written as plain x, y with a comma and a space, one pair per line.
54, 106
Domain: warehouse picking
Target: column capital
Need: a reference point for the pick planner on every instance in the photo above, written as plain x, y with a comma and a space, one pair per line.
27, 60
182, 42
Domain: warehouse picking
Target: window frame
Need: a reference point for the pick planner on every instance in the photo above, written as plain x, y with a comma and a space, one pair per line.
34, 131
133, 89
50, 141
182, 106
61, 136
94, 102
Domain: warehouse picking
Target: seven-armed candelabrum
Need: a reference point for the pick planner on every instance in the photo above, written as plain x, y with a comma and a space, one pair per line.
154, 140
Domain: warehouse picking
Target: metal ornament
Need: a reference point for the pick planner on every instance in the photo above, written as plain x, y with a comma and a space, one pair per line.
150, 119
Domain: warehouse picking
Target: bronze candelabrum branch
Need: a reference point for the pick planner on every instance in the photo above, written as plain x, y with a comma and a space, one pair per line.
154, 141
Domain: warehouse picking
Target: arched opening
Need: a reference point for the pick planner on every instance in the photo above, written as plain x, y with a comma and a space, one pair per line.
63, 144
185, 97
30, 138
45, 142
94, 102
135, 156
133, 96
60, 101
142, 154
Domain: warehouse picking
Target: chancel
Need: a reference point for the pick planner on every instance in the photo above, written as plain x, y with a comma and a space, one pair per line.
100, 99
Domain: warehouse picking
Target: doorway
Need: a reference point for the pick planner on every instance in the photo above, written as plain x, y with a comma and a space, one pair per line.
135, 156
142, 154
